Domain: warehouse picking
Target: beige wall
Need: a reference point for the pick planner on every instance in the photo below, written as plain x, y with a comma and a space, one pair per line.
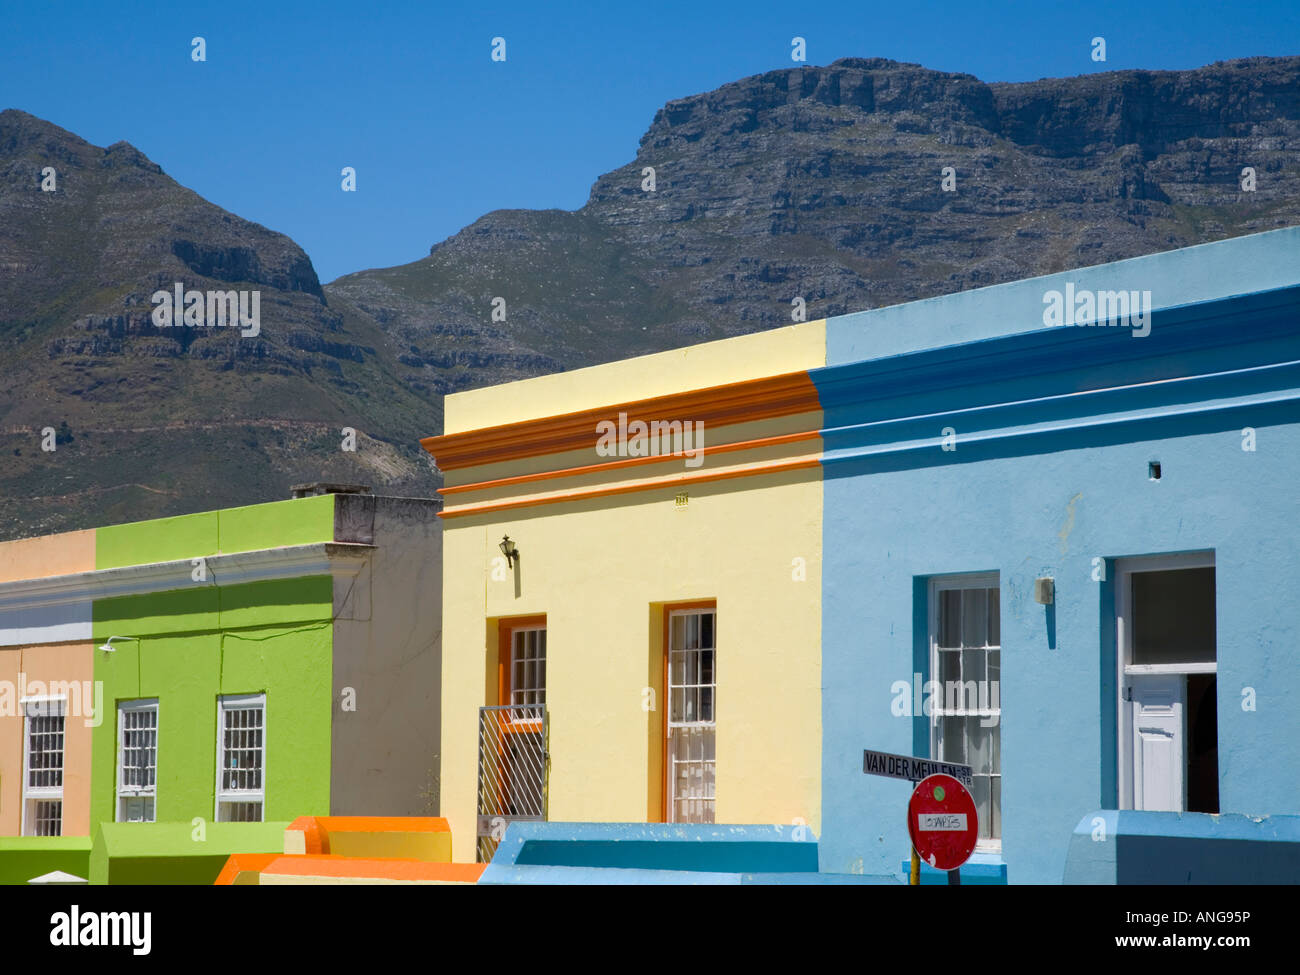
60, 662
48, 555
600, 571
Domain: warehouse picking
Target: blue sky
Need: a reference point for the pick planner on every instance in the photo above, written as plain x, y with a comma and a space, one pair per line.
440, 134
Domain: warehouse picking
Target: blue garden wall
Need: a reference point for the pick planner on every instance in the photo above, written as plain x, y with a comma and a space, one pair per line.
1128, 847
658, 853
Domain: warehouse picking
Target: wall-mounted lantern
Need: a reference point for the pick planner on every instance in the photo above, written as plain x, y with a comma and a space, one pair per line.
509, 550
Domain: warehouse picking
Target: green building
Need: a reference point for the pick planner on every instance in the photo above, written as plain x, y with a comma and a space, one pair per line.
237, 669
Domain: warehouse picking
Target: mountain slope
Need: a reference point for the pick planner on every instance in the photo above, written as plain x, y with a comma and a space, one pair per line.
826, 183
818, 182
155, 420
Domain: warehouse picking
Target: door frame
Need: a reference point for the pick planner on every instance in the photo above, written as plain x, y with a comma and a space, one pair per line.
670, 609
500, 699
1125, 671
506, 627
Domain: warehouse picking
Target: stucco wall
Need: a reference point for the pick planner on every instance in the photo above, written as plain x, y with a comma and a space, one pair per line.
1129, 847
273, 637
385, 753
1050, 516
601, 571
51, 668
293, 522
47, 555
1042, 486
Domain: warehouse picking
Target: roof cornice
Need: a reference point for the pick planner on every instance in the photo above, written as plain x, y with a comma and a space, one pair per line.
1175, 331
741, 402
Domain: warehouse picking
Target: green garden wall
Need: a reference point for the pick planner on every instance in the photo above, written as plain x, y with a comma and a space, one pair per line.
175, 853
25, 857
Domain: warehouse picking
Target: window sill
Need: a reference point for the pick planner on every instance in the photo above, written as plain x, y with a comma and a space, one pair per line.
1189, 668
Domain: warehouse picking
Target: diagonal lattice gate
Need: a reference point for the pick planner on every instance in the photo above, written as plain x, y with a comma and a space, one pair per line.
512, 766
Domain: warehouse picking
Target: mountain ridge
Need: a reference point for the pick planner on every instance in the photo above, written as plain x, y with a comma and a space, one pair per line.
824, 183
211, 418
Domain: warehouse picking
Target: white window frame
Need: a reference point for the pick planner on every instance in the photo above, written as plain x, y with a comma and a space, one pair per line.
43, 706
1125, 568
711, 724
226, 703
126, 793
515, 689
938, 584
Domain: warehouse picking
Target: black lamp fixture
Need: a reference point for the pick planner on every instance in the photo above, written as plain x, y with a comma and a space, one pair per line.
509, 550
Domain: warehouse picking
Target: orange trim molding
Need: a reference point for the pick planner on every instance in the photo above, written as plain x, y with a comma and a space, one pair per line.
676, 480
614, 465
752, 399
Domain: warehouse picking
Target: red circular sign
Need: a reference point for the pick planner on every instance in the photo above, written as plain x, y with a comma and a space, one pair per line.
942, 822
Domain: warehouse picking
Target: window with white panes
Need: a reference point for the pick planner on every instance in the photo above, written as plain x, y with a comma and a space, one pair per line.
137, 761
966, 708
692, 728
528, 666
241, 758
43, 767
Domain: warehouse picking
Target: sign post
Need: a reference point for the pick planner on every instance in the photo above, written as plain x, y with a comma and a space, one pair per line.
911, 769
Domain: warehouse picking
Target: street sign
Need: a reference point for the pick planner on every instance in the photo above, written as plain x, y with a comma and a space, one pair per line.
911, 768
942, 821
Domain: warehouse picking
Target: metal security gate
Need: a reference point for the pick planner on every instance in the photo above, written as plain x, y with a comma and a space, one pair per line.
512, 767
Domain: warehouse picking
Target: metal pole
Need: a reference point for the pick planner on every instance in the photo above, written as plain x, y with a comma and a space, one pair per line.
954, 878
914, 878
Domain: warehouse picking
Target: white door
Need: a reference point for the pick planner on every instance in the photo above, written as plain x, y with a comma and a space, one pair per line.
1158, 742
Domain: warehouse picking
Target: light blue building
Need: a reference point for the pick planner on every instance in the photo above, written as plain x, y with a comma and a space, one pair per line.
1089, 536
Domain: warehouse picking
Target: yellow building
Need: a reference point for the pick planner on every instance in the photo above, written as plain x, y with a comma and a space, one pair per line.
631, 592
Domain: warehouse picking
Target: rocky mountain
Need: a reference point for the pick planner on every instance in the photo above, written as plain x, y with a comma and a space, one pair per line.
151, 421
825, 183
